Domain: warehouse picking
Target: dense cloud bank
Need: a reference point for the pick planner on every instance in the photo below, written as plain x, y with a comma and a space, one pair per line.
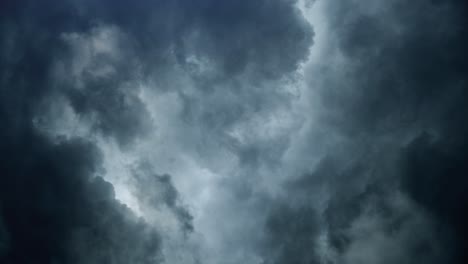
393, 85
269, 131
70, 78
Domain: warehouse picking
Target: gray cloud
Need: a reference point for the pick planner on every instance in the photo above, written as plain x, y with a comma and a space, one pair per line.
290, 235
56, 209
80, 69
391, 86
254, 149
154, 191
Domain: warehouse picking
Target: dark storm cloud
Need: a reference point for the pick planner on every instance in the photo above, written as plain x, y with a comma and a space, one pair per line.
409, 69
435, 176
236, 45
271, 37
54, 206
404, 66
101, 82
54, 209
394, 92
290, 235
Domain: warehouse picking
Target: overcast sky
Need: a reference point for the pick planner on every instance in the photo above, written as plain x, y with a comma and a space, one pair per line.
233, 131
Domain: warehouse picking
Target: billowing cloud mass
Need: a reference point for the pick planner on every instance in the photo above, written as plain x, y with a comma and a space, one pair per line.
227, 132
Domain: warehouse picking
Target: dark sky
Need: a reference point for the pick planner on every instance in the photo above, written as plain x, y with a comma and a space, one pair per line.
233, 132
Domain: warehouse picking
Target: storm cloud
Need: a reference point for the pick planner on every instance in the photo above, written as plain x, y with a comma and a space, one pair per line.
267, 131
392, 84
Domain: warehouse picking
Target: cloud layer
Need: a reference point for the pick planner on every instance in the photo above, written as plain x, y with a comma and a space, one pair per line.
269, 131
